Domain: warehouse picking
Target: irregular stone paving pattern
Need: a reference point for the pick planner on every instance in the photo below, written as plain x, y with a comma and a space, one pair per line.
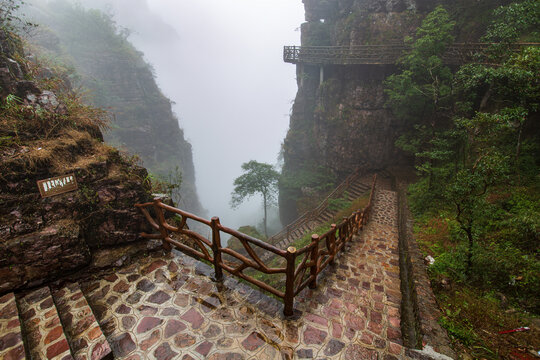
11, 342
83, 332
44, 333
169, 308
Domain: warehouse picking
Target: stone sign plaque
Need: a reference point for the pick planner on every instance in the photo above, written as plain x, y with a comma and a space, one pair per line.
57, 185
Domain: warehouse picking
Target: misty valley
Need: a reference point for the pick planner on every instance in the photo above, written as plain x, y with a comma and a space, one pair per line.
254, 179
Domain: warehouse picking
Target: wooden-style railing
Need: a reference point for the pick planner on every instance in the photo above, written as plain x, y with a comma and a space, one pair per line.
301, 266
311, 215
388, 54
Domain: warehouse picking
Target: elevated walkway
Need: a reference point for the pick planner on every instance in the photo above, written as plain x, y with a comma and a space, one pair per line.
385, 54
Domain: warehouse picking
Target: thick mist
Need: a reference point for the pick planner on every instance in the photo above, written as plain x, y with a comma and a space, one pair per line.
221, 63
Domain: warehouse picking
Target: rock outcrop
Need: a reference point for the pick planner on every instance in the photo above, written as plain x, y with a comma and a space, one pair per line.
43, 137
120, 80
341, 123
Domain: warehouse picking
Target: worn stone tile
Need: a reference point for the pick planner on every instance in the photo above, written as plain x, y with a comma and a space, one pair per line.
11, 342
170, 306
44, 341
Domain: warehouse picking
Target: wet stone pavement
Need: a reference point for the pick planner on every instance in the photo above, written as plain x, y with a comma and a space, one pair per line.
168, 307
11, 342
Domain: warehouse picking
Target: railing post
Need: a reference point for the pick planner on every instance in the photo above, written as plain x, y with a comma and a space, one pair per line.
289, 281
314, 261
347, 230
161, 220
216, 248
333, 244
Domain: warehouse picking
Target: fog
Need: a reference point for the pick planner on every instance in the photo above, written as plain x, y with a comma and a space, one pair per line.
221, 63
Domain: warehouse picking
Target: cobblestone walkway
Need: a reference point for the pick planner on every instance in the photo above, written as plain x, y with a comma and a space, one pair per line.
11, 342
169, 308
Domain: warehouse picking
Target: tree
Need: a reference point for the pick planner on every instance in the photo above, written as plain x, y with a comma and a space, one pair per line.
497, 105
421, 95
491, 141
10, 21
258, 178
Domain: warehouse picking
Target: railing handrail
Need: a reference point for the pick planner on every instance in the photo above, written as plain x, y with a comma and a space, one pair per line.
314, 259
313, 214
379, 53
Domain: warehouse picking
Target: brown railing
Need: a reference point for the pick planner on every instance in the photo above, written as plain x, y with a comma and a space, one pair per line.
456, 54
301, 266
311, 215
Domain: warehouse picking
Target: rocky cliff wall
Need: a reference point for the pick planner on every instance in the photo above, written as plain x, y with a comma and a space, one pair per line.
43, 135
119, 79
341, 123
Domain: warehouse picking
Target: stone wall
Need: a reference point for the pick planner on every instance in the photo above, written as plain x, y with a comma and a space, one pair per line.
45, 238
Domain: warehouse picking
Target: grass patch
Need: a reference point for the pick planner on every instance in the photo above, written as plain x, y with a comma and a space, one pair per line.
473, 312
473, 319
277, 281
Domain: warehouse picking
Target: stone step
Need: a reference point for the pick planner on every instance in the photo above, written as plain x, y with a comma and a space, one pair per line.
359, 188
11, 339
80, 325
325, 216
43, 331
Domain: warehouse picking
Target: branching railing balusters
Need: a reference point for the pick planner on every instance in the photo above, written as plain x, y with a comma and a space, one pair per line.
314, 259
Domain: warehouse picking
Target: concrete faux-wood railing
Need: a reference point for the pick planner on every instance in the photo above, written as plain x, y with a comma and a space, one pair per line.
387, 54
301, 266
313, 214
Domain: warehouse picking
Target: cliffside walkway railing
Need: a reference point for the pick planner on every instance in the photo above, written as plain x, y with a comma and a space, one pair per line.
305, 219
301, 266
387, 54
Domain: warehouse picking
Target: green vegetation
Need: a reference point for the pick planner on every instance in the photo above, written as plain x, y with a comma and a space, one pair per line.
94, 54
278, 281
10, 20
307, 185
475, 136
169, 185
258, 178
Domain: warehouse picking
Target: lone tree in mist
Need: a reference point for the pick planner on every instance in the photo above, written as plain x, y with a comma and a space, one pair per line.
258, 178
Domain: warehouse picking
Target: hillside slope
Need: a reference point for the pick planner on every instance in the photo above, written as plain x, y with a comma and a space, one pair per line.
45, 132
118, 79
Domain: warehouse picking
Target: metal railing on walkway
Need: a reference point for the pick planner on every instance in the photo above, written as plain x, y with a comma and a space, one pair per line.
387, 54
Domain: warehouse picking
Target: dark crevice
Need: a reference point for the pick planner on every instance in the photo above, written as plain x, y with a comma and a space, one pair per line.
410, 326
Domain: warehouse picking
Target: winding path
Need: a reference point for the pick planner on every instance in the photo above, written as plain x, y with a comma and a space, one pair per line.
166, 306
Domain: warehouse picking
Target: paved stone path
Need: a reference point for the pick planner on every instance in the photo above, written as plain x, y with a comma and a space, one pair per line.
167, 307
82, 331
11, 342
46, 338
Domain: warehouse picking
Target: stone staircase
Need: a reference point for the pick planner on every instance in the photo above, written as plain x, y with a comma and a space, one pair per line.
166, 306
50, 325
356, 189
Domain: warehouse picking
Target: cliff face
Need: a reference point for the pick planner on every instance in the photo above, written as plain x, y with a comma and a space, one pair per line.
341, 123
45, 132
120, 80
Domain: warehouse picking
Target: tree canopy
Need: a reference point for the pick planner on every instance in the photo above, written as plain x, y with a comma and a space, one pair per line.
476, 140
258, 178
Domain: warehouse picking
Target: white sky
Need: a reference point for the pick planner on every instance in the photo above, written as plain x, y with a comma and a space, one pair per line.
221, 62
